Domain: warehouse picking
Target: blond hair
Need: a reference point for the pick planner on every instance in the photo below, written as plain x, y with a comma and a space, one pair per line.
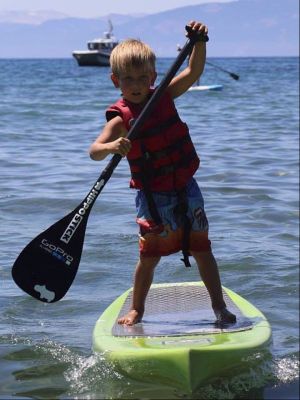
131, 53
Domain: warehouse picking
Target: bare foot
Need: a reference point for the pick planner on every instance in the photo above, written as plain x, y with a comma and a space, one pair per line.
224, 316
131, 318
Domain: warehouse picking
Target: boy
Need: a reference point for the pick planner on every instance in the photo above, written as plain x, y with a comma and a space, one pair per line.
162, 159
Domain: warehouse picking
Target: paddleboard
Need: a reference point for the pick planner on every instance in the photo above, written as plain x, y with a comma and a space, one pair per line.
178, 342
205, 87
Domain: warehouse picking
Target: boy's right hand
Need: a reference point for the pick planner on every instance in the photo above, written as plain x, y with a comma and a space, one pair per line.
120, 146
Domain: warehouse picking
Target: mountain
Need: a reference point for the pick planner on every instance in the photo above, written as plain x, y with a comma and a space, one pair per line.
30, 17
237, 28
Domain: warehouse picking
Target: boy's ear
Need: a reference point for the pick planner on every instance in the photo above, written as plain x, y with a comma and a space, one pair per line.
154, 76
115, 80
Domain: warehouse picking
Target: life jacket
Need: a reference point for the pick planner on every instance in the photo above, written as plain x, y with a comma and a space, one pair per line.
163, 149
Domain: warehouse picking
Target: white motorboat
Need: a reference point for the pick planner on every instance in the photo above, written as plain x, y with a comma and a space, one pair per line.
99, 50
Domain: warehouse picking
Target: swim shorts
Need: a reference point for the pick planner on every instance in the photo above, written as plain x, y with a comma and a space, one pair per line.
166, 239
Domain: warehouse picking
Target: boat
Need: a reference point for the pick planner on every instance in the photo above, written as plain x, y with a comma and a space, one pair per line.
178, 343
99, 50
205, 87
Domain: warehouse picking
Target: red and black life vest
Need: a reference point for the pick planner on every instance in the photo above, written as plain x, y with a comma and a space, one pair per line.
163, 149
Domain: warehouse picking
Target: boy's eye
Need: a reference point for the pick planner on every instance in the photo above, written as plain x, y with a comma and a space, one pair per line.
128, 80
144, 79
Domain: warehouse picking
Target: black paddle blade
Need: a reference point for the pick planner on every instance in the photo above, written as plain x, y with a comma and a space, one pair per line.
47, 266
234, 76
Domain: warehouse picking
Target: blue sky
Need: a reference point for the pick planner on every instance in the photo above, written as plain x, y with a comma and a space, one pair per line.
95, 8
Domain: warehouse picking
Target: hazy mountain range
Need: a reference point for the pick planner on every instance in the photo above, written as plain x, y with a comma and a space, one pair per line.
238, 28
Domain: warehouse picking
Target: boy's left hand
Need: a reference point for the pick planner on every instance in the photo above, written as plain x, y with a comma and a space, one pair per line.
198, 27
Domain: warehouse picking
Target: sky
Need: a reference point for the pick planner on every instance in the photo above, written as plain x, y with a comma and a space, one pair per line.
95, 8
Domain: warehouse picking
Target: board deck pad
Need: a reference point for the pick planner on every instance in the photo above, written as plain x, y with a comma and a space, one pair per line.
179, 310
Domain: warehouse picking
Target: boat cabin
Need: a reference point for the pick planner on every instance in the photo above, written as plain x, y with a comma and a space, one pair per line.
96, 45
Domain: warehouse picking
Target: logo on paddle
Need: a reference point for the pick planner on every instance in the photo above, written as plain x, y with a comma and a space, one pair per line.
56, 251
78, 217
44, 293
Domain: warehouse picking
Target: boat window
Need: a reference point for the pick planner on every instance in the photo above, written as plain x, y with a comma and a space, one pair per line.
98, 46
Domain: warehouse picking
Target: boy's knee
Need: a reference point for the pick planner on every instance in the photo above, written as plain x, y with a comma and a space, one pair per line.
149, 262
203, 257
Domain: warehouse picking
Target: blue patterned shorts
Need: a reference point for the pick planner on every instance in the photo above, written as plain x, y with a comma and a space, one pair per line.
159, 241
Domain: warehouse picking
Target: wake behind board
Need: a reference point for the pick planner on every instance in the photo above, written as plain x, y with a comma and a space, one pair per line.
205, 87
178, 343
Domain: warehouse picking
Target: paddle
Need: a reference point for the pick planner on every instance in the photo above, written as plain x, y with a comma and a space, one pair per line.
233, 75
47, 266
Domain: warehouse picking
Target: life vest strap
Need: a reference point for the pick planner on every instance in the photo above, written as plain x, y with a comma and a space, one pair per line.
156, 130
164, 169
180, 212
158, 154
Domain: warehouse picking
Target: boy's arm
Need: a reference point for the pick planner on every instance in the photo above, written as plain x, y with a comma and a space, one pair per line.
111, 140
185, 79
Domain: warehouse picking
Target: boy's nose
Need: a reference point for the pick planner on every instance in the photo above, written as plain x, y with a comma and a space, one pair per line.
137, 81
136, 84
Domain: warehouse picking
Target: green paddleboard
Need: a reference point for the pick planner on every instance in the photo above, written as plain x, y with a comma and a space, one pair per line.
178, 343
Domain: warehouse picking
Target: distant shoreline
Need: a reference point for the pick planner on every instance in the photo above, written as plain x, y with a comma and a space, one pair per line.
158, 57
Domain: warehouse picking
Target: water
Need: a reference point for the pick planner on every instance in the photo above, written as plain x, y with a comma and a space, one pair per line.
247, 137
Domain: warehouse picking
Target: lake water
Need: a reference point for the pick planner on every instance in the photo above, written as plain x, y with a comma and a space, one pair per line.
247, 138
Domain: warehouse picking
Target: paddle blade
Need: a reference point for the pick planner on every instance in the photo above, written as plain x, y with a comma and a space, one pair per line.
234, 76
47, 266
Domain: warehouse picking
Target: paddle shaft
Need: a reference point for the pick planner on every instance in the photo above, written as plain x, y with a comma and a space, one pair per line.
185, 51
234, 76
47, 266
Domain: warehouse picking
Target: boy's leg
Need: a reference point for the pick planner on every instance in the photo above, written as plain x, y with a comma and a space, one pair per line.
209, 272
142, 282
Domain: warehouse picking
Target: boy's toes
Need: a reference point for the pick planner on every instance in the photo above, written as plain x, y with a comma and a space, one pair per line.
131, 318
224, 316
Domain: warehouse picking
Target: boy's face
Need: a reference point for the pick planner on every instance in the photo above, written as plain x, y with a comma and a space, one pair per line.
135, 83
